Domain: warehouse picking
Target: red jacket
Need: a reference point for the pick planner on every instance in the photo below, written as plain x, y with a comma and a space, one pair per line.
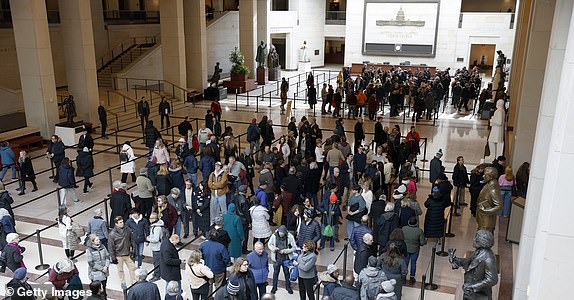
60, 279
215, 107
414, 136
372, 104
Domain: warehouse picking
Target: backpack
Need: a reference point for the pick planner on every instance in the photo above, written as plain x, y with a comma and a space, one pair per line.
124, 156
373, 286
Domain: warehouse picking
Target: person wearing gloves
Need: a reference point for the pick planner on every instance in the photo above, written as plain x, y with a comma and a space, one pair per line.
330, 280
281, 244
387, 290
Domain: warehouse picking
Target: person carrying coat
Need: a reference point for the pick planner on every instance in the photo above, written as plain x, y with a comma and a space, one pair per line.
232, 224
85, 163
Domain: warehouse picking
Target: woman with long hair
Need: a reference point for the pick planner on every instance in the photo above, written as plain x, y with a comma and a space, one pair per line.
522, 176
243, 275
306, 263
284, 148
198, 275
65, 230
506, 182
160, 153
164, 183
393, 264
26, 172
229, 148
201, 199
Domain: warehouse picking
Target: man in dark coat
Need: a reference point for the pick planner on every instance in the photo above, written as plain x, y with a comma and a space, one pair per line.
85, 163
143, 289
143, 111
434, 217
120, 201
359, 134
362, 255
20, 286
435, 167
56, 152
103, 116
184, 127
381, 136
346, 291
151, 135
164, 111
460, 180
170, 264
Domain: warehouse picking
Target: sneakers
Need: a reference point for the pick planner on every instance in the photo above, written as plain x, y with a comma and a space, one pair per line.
289, 290
274, 290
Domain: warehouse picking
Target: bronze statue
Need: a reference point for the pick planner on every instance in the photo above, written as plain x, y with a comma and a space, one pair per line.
480, 273
501, 60
489, 202
69, 109
261, 55
273, 57
216, 76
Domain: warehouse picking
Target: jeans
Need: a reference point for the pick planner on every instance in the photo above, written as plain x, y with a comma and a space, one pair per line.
350, 226
254, 146
156, 260
306, 287
193, 178
459, 195
5, 169
277, 266
68, 191
331, 239
412, 258
139, 252
220, 200
314, 199
506, 195
177, 227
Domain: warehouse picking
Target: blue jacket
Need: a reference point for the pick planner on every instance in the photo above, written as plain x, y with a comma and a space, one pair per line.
207, 166
259, 265
7, 156
253, 133
360, 162
58, 149
190, 164
357, 235
260, 193
215, 256
139, 230
339, 129
66, 179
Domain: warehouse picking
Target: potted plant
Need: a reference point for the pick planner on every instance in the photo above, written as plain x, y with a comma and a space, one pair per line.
239, 70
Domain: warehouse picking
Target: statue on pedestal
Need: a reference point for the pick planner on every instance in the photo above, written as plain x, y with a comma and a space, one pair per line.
273, 57
501, 60
489, 201
496, 136
69, 109
480, 273
216, 76
261, 55
303, 56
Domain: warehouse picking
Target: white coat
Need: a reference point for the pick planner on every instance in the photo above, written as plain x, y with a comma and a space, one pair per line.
260, 222
130, 165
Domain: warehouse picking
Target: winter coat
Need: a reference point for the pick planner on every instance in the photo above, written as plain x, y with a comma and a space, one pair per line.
232, 224
266, 175
307, 265
21, 285
260, 222
369, 274
259, 266
346, 292
435, 169
329, 212
121, 204
120, 242
247, 286
362, 257
6, 203
215, 255
163, 185
26, 169
85, 163
310, 231
203, 204
207, 166
329, 284
253, 133
169, 217
191, 164
7, 156
59, 276
57, 149
98, 259
66, 176
98, 226
140, 229
272, 245
357, 235
460, 176
145, 187
414, 238
218, 183
130, 165
170, 263
144, 290
384, 225
14, 257
176, 176
151, 135
434, 217
155, 235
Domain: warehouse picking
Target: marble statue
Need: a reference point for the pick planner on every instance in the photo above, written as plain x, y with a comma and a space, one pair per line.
480, 272
496, 136
261, 55
273, 57
501, 60
489, 201
69, 109
216, 75
303, 56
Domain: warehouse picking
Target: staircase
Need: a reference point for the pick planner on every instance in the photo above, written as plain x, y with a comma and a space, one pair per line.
122, 58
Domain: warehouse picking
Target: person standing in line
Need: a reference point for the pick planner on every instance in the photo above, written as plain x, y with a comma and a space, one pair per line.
26, 172
435, 167
146, 191
7, 158
260, 227
86, 141
143, 289
65, 229
198, 276
281, 244
103, 116
151, 136
284, 90
13, 252
216, 109
98, 261
170, 265
67, 181
216, 258
191, 166
56, 153
460, 180
120, 201
414, 239
97, 226
359, 134
506, 182
140, 228
120, 246
143, 112
156, 235
217, 183
164, 111
306, 263
232, 224
259, 265
85, 163
128, 166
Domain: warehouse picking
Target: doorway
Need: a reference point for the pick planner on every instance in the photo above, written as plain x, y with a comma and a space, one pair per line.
482, 56
281, 46
335, 51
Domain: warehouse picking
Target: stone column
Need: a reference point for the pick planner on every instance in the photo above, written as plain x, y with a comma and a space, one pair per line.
34, 51
99, 27
248, 33
173, 41
263, 8
545, 260
196, 39
78, 42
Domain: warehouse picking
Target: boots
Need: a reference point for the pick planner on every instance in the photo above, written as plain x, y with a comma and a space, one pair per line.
35, 186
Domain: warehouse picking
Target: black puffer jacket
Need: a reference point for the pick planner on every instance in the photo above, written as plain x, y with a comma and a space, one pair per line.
434, 217
151, 135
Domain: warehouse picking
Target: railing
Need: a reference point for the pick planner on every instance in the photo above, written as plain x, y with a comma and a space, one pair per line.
149, 86
344, 252
333, 17
213, 15
123, 47
121, 17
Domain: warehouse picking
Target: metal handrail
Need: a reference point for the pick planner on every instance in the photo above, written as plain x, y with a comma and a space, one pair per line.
121, 48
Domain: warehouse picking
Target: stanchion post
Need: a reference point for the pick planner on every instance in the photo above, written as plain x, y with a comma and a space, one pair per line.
318, 296
106, 210
345, 259
425, 151
236, 99
59, 197
42, 265
423, 287
431, 286
442, 252
448, 232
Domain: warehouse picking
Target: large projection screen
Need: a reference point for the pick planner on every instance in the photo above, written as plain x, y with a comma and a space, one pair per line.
400, 28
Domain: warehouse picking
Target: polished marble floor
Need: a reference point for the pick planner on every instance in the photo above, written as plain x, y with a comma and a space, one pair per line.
456, 134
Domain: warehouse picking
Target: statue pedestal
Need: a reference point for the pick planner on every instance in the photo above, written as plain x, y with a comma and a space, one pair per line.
274, 74
304, 66
261, 75
215, 93
69, 133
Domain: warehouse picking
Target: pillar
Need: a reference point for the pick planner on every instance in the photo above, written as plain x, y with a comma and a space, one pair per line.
263, 8
78, 42
545, 260
196, 39
248, 33
173, 41
99, 27
32, 38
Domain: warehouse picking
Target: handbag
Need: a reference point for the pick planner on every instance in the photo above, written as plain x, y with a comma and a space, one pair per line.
328, 231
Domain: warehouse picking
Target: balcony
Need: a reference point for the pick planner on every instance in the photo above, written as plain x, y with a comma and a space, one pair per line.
123, 17
333, 17
486, 20
6, 18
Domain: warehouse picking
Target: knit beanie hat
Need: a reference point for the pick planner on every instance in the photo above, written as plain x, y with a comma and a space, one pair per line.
439, 153
389, 285
20, 273
333, 198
